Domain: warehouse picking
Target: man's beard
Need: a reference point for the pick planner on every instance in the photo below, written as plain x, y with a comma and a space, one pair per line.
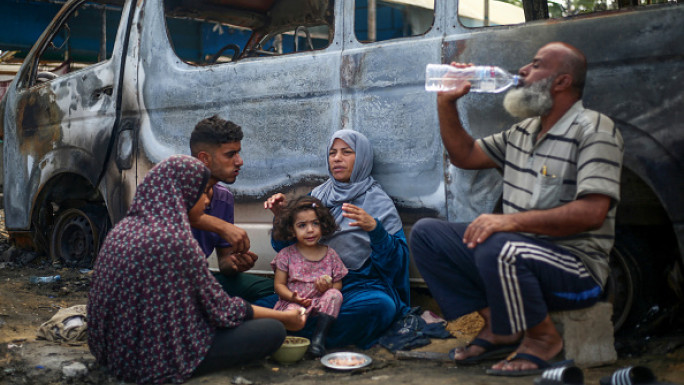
530, 101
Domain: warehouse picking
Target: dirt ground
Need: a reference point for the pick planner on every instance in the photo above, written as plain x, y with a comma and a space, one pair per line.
24, 359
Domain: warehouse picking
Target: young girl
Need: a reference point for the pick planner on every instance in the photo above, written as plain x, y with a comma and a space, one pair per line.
307, 274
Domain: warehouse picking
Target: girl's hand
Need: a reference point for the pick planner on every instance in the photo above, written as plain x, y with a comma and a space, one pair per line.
306, 302
323, 283
360, 216
294, 320
275, 203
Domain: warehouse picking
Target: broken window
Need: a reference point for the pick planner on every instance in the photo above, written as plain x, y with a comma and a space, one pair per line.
559, 8
79, 42
378, 20
206, 32
482, 13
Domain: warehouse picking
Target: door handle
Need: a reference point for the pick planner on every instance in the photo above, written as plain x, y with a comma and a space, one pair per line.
106, 90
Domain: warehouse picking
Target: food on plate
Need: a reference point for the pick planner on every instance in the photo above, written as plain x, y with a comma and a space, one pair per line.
346, 361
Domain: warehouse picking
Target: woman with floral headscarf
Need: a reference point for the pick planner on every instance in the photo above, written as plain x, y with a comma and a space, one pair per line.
370, 242
155, 312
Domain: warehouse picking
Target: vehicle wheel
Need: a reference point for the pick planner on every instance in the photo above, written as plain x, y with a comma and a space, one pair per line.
622, 284
637, 284
75, 239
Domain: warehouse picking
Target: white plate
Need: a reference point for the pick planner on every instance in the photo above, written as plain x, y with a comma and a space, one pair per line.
336, 360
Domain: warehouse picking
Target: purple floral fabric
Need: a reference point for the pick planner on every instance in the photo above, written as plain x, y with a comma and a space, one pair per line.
302, 275
153, 304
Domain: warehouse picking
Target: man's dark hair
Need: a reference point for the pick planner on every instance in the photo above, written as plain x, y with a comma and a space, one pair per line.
212, 132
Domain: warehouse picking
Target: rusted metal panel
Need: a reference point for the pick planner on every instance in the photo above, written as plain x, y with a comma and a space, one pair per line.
288, 107
55, 128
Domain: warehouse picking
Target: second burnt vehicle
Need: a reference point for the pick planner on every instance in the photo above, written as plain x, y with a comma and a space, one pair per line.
112, 87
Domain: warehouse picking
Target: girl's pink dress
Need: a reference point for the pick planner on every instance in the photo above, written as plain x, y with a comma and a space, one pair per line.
302, 274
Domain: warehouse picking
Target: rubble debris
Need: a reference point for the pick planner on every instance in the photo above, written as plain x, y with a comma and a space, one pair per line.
75, 369
239, 380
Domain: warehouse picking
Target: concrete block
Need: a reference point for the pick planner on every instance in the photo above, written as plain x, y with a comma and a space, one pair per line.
588, 334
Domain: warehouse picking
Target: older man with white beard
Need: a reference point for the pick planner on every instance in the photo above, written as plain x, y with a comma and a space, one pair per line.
549, 249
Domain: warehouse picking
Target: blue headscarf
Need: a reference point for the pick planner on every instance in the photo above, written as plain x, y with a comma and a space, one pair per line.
352, 243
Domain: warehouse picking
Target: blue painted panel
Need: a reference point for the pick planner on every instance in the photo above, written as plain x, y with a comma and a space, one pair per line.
22, 23
27, 20
389, 20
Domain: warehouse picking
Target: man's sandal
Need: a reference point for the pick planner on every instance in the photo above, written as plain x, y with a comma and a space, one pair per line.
566, 375
632, 375
542, 365
491, 352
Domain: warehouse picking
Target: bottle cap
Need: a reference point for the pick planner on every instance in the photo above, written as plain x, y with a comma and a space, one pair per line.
518, 81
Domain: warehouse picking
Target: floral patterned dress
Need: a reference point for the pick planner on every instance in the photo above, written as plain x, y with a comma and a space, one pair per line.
302, 274
153, 305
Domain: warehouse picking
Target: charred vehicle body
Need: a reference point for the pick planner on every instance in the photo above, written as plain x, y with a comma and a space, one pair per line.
79, 137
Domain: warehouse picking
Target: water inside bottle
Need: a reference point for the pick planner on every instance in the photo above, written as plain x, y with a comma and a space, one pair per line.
449, 83
443, 83
482, 78
436, 84
483, 85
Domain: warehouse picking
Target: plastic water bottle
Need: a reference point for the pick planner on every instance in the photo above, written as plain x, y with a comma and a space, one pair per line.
48, 279
443, 77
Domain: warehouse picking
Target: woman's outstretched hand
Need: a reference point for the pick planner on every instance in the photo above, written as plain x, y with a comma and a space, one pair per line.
275, 203
294, 320
360, 216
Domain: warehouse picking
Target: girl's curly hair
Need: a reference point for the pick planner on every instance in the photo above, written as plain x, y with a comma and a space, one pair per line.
283, 226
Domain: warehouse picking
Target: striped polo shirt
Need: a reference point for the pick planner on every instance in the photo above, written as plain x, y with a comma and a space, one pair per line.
581, 154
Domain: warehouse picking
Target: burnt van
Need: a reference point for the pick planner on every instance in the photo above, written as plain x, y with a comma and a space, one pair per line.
112, 87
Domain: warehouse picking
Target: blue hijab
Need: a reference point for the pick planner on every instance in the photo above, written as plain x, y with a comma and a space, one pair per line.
351, 242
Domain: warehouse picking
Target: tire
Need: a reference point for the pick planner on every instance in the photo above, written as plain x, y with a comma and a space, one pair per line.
637, 285
75, 238
622, 285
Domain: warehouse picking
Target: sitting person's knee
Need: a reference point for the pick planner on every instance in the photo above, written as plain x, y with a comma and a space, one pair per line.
423, 225
384, 310
420, 232
334, 294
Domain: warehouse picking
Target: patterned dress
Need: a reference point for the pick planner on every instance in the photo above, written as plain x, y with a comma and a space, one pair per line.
153, 305
302, 274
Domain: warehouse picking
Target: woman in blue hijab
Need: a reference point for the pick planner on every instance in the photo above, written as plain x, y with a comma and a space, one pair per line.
370, 241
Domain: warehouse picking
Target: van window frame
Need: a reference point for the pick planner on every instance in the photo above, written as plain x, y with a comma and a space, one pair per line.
28, 79
427, 32
256, 37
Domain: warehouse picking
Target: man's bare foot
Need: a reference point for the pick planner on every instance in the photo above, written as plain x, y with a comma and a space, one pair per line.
475, 349
542, 341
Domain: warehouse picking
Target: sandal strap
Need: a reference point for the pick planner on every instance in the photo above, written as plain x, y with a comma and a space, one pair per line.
564, 375
632, 375
481, 343
541, 364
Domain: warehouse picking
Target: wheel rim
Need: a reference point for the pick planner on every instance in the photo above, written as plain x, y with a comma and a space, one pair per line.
74, 239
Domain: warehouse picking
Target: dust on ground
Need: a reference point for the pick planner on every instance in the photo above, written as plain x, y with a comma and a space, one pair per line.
24, 359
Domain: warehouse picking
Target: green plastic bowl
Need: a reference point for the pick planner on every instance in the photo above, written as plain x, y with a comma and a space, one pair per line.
292, 350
